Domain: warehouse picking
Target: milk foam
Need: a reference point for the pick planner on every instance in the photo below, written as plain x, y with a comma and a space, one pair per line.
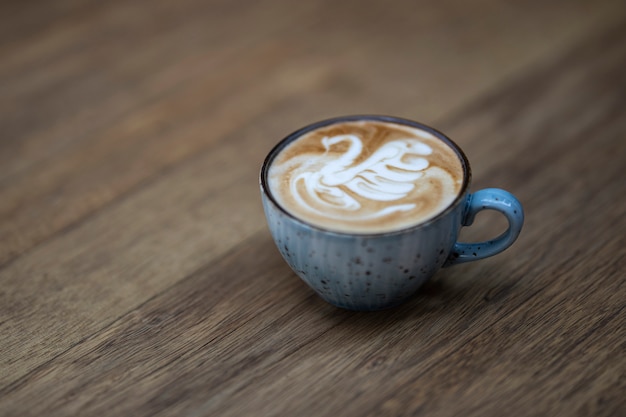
366, 176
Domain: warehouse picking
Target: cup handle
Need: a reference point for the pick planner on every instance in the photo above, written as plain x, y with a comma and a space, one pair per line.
488, 199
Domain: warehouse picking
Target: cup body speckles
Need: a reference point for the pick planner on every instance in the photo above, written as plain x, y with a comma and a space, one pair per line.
363, 272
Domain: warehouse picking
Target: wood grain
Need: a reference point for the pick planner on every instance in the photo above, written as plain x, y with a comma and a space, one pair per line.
74, 159
137, 275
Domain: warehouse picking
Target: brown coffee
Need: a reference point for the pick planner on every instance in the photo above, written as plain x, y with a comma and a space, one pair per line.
366, 176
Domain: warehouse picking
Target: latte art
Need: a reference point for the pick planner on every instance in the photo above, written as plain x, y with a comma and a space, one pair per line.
384, 176
366, 176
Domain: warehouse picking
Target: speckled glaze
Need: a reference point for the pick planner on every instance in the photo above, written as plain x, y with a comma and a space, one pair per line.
377, 271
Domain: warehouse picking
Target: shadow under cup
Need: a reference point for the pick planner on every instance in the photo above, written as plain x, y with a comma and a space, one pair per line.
381, 270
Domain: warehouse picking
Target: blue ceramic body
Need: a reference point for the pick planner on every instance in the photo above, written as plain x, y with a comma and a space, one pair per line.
363, 272
377, 271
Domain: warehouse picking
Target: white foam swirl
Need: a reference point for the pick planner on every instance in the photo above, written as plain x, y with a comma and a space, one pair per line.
389, 174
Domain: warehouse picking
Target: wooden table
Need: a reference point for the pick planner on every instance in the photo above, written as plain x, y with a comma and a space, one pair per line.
138, 277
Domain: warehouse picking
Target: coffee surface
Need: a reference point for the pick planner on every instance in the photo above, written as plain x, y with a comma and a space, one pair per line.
366, 176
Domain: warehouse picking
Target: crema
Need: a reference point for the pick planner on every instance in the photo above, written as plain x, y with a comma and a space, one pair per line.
366, 176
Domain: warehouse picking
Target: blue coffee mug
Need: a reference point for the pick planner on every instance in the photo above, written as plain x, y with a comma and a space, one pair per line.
380, 270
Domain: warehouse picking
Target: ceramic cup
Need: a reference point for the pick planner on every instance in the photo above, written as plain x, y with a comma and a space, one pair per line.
381, 270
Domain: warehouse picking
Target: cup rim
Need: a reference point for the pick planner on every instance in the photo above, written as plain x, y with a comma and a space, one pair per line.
265, 189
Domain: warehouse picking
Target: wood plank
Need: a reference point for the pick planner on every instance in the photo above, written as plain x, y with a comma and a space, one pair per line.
122, 157
116, 60
82, 287
21, 20
515, 332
